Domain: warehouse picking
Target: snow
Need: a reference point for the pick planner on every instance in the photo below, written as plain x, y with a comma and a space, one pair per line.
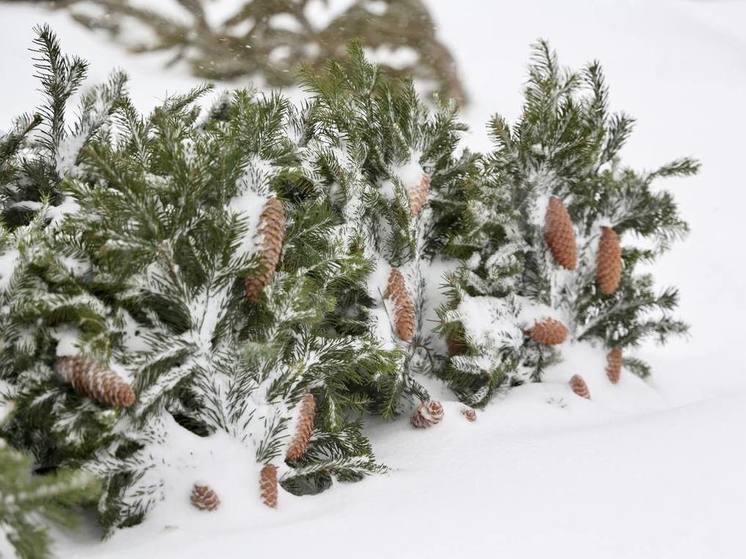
68, 339
400, 57
8, 262
487, 320
248, 205
643, 469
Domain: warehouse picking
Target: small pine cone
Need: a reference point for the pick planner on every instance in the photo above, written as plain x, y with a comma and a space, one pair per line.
404, 318
559, 234
436, 411
418, 195
306, 415
469, 414
548, 332
268, 485
455, 346
272, 231
614, 364
579, 386
419, 421
427, 414
608, 261
204, 498
93, 380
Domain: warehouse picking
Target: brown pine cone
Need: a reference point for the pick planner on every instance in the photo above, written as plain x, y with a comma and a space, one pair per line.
205, 498
469, 414
419, 421
404, 318
455, 343
608, 261
559, 234
427, 414
548, 332
272, 231
579, 386
418, 195
614, 364
268, 485
306, 415
436, 411
395, 284
93, 380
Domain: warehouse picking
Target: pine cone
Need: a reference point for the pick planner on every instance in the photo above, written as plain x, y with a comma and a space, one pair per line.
427, 414
614, 364
436, 411
395, 285
93, 380
396, 290
418, 195
559, 234
205, 498
268, 485
306, 415
272, 231
456, 343
579, 386
608, 261
548, 332
469, 414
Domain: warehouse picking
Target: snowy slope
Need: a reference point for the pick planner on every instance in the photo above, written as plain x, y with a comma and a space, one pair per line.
643, 470
657, 485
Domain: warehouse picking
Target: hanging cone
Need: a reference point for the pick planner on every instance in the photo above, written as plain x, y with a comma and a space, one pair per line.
427, 414
455, 342
94, 381
614, 364
268, 485
548, 332
455, 346
204, 498
306, 415
608, 261
396, 290
395, 285
469, 414
559, 234
272, 232
579, 386
418, 195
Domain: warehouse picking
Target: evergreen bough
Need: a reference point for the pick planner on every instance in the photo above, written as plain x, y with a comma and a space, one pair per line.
127, 240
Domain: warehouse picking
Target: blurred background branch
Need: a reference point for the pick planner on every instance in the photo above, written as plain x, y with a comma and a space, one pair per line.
267, 40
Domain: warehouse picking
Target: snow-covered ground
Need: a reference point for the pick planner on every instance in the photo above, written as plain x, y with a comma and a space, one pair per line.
642, 470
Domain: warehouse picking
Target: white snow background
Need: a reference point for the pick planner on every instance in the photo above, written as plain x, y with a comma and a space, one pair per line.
645, 470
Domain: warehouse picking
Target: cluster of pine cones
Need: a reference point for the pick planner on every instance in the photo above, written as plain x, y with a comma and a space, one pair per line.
205, 498
560, 239
613, 372
96, 382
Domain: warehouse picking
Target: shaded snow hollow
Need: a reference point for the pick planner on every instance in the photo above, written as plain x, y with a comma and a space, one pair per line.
642, 470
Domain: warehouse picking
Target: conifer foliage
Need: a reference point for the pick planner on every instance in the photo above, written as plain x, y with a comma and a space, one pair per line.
548, 255
28, 502
257, 276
